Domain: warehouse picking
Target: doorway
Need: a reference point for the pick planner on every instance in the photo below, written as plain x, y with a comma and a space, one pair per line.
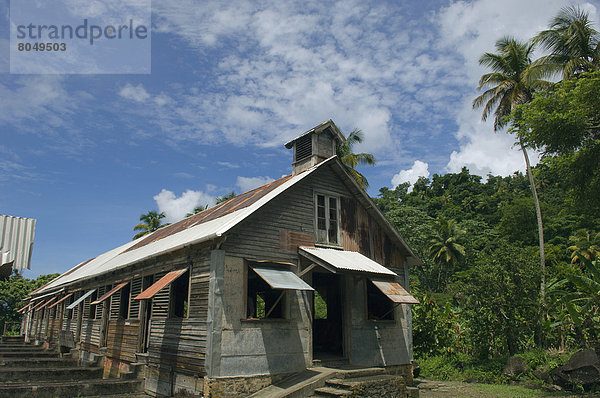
328, 336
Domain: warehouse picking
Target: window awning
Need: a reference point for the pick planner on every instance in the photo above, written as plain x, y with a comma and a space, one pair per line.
395, 292
110, 293
47, 302
160, 284
80, 299
61, 300
341, 260
38, 305
284, 279
24, 308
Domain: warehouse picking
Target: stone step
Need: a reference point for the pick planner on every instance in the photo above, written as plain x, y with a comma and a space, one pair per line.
332, 392
44, 362
12, 338
82, 388
348, 383
23, 348
363, 372
38, 374
29, 354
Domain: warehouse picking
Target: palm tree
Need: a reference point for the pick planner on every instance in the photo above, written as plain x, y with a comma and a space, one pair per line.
586, 244
225, 198
197, 209
573, 42
512, 83
445, 247
351, 159
151, 222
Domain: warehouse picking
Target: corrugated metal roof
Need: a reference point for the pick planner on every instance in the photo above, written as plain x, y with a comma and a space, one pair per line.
201, 227
160, 284
16, 241
395, 292
279, 278
344, 260
113, 291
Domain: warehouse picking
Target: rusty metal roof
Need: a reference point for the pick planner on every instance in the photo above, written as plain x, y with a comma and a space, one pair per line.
209, 224
160, 284
395, 292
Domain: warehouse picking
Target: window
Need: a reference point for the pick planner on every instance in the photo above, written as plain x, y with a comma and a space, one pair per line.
327, 216
180, 296
92, 309
262, 301
124, 302
379, 306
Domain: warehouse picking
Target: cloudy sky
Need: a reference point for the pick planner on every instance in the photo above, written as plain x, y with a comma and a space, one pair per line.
230, 83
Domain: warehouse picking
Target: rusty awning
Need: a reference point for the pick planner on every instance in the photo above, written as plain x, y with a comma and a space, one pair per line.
160, 284
24, 308
279, 278
80, 299
395, 292
61, 300
47, 302
38, 305
110, 293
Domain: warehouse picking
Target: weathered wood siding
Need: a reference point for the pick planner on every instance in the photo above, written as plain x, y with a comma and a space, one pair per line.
123, 339
179, 343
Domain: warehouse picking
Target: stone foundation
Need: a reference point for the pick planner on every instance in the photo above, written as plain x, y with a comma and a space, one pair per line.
234, 387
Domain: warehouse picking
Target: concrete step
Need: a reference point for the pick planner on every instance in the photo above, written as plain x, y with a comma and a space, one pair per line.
362, 372
29, 354
44, 362
9, 339
38, 374
82, 388
332, 392
23, 348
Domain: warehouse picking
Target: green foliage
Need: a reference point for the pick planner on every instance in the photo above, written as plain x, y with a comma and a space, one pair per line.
435, 327
12, 293
320, 307
224, 198
351, 160
151, 222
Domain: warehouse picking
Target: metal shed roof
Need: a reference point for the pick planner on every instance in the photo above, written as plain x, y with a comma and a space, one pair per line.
16, 241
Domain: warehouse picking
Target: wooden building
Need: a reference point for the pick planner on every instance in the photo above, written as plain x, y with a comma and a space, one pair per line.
303, 268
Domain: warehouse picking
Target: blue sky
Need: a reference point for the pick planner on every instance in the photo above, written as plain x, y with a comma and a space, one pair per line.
231, 82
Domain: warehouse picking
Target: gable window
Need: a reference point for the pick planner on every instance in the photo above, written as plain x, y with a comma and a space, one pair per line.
327, 219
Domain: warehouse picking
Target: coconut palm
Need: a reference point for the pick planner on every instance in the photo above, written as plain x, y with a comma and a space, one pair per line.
573, 42
151, 222
512, 82
351, 159
197, 209
445, 247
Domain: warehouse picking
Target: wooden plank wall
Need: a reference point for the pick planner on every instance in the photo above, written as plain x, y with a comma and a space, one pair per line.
123, 339
180, 343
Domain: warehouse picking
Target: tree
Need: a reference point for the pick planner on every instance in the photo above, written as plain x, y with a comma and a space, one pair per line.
573, 42
225, 198
197, 209
445, 248
151, 222
512, 83
351, 159
564, 123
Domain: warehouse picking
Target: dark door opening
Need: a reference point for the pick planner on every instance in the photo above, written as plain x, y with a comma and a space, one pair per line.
328, 335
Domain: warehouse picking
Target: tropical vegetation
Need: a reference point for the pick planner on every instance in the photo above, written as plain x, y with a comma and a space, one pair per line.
151, 221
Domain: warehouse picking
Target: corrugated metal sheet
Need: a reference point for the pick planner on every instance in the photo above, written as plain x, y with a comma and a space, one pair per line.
192, 230
110, 293
16, 241
281, 278
395, 292
160, 284
61, 300
344, 260
80, 299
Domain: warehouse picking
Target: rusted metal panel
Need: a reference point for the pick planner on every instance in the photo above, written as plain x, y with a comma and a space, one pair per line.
24, 308
344, 260
38, 305
160, 284
61, 300
46, 303
395, 292
110, 293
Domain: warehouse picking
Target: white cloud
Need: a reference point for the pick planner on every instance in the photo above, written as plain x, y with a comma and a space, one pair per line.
175, 208
248, 183
136, 93
418, 169
472, 29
